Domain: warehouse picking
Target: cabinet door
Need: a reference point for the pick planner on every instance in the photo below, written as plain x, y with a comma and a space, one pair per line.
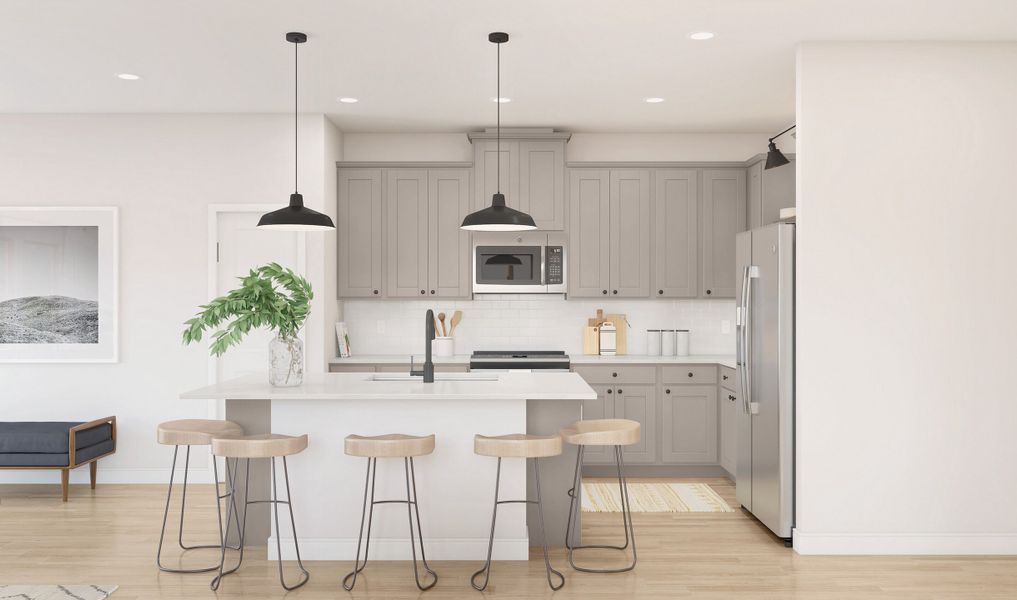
639, 403
723, 213
754, 181
689, 430
485, 170
778, 192
359, 230
448, 201
406, 213
541, 182
589, 233
630, 233
601, 408
676, 243
729, 408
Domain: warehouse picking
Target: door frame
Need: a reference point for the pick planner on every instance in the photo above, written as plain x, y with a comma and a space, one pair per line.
216, 408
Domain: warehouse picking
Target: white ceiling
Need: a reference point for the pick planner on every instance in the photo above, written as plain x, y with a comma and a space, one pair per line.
426, 65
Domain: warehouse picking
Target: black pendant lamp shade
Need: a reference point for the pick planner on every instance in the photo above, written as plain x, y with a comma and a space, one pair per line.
498, 217
774, 157
296, 216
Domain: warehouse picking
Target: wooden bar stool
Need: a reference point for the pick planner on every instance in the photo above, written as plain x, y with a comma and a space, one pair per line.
394, 445
601, 432
517, 445
272, 446
194, 432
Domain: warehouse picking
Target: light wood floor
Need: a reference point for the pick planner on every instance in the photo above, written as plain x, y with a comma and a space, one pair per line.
109, 536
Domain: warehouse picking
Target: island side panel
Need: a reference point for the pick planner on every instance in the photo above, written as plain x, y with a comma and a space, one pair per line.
255, 416
455, 486
547, 417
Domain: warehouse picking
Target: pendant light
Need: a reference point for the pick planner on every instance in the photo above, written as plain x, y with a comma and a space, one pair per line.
498, 217
774, 157
296, 216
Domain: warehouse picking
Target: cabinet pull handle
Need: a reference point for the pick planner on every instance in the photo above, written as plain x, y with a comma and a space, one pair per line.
730, 397
725, 377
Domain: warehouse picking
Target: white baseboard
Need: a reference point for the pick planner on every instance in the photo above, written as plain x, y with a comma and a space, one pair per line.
399, 549
106, 475
906, 543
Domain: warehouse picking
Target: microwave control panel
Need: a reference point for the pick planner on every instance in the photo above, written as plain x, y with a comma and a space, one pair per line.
555, 257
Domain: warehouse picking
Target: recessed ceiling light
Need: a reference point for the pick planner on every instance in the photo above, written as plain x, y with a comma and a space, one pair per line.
653, 100
701, 35
501, 100
347, 100
128, 76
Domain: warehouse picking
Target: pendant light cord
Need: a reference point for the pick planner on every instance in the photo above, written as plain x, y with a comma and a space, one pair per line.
296, 128
497, 100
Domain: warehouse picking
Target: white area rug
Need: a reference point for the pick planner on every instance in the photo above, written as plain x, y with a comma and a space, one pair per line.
56, 592
653, 497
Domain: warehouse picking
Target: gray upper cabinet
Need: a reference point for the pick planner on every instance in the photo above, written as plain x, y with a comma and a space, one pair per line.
689, 429
542, 182
676, 240
723, 216
448, 198
630, 233
407, 249
532, 176
638, 403
769, 191
359, 230
589, 232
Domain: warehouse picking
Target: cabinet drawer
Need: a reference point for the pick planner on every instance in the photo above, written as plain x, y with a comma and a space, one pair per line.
729, 378
699, 374
619, 374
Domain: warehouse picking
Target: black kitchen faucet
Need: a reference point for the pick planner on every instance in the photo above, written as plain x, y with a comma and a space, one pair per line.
428, 370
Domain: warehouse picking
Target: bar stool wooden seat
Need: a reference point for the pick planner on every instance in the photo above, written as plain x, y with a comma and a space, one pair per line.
270, 446
395, 445
601, 432
517, 445
193, 432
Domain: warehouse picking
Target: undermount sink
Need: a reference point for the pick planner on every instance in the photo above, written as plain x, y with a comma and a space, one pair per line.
437, 377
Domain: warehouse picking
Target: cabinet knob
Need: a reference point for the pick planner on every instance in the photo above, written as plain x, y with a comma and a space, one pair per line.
604, 292
609, 391
660, 291
432, 292
422, 292
724, 377
619, 390
708, 292
614, 374
614, 292
668, 391
690, 373
730, 397
375, 292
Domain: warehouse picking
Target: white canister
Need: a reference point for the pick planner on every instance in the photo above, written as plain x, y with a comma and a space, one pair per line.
444, 346
682, 342
653, 342
667, 339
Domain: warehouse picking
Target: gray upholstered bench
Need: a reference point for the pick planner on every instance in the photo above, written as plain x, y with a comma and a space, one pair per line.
57, 445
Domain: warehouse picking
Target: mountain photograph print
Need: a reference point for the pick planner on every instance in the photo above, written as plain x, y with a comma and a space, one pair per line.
58, 284
49, 285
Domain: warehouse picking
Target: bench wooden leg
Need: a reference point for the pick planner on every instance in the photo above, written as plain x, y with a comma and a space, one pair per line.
91, 471
65, 476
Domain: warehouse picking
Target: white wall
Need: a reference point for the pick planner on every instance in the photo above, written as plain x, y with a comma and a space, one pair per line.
162, 171
906, 420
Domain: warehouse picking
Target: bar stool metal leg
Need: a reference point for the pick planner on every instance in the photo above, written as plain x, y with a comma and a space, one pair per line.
543, 533
242, 523
486, 570
183, 502
410, 511
278, 533
575, 506
372, 464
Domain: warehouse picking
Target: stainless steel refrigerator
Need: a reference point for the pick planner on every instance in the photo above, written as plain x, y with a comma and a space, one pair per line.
765, 348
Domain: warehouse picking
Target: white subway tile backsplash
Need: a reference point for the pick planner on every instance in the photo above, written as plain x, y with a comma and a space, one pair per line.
537, 322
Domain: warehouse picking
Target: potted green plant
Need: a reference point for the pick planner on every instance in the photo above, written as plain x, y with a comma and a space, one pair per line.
269, 296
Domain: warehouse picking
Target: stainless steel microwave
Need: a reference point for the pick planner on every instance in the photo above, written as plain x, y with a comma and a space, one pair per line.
526, 263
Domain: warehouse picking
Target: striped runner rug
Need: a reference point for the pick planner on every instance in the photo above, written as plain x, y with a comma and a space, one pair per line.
57, 592
653, 497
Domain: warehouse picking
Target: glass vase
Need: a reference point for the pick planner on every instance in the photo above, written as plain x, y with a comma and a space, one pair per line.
286, 358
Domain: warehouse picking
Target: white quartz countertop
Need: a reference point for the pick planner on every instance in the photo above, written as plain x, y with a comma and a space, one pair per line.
727, 360
447, 386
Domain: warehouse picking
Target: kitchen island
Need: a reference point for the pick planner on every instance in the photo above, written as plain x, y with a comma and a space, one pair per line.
455, 486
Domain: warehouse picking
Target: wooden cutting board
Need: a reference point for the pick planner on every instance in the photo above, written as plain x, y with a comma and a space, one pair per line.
621, 343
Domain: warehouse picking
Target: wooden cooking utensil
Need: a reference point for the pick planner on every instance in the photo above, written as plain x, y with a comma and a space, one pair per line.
441, 318
456, 317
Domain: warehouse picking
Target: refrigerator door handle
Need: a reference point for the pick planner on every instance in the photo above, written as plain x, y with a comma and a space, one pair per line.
740, 345
751, 272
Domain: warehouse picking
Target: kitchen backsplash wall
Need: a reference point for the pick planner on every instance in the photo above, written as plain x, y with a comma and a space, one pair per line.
533, 322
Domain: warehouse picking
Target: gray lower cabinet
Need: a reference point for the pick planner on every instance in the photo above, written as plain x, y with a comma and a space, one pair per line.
689, 428
769, 191
729, 407
359, 233
639, 403
532, 177
406, 212
676, 233
589, 233
723, 216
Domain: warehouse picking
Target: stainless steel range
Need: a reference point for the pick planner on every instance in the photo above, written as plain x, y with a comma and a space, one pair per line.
508, 360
